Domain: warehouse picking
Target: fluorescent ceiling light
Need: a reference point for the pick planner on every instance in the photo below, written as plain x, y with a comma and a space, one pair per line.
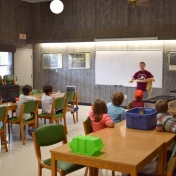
126, 39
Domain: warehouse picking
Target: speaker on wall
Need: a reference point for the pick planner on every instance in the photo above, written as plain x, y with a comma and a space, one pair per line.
71, 88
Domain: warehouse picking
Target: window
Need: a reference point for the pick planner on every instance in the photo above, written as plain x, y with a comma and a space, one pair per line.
5, 63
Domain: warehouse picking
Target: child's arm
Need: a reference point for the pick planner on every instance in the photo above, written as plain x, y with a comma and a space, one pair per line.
38, 99
108, 121
111, 125
159, 129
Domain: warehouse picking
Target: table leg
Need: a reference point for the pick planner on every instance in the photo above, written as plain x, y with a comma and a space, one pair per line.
93, 171
53, 165
161, 167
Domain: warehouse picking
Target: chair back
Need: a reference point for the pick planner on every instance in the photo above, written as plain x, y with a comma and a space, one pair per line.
172, 162
71, 97
30, 106
3, 114
50, 134
1, 80
37, 91
87, 126
9, 79
61, 103
129, 105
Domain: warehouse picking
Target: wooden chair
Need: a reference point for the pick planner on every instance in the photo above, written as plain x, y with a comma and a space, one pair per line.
53, 133
3, 117
129, 105
72, 106
1, 81
151, 168
9, 79
88, 129
58, 103
27, 107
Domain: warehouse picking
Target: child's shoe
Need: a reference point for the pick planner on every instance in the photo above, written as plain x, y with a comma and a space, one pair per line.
74, 110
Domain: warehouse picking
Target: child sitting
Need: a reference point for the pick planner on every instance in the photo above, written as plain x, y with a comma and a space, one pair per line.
165, 121
99, 117
25, 97
138, 102
116, 112
47, 100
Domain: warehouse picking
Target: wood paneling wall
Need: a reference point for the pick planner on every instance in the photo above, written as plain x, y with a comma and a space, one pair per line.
84, 80
15, 18
85, 20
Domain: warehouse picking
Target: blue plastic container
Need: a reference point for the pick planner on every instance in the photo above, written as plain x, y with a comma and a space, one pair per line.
141, 121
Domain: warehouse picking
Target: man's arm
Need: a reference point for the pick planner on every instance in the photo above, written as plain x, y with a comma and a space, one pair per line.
132, 80
151, 79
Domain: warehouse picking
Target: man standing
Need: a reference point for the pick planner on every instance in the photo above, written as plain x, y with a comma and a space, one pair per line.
142, 76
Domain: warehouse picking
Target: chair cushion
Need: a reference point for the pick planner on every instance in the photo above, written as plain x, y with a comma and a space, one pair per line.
65, 166
46, 115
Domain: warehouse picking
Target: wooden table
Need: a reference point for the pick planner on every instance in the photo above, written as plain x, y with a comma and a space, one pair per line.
10, 106
126, 150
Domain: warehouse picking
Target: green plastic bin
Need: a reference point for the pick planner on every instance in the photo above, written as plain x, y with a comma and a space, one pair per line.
86, 145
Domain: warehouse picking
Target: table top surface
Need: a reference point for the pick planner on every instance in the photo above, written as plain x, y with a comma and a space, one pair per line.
57, 95
163, 97
122, 145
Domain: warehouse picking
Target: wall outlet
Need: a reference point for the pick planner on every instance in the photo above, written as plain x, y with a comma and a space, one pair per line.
125, 96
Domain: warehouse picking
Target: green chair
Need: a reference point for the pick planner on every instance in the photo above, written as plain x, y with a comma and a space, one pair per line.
150, 169
87, 126
129, 105
48, 135
27, 107
9, 79
72, 107
37, 91
1, 81
58, 103
3, 117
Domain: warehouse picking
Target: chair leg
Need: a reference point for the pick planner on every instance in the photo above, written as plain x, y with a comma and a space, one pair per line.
113, 173
74, 118
39, 170
5, 142
45, 121
86, 171
8, 128
65, 126
22, 134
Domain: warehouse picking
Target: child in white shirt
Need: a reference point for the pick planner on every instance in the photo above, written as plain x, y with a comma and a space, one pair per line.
47, 100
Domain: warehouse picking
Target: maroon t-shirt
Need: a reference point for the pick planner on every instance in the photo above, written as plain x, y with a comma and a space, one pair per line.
136, 103
141, 75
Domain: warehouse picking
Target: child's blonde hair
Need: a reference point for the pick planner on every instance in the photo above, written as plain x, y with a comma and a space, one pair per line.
99, 109
161, 106
117, 98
